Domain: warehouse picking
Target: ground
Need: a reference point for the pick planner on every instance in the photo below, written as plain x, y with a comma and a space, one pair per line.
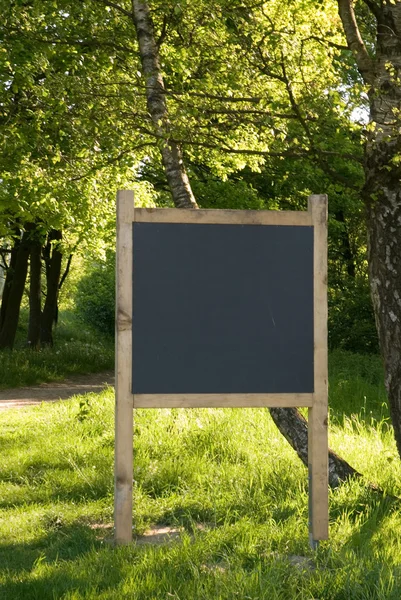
51, 392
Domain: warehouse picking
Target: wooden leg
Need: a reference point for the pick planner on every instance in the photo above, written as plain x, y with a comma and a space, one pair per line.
123, 461
318, 414
123, 471
318, 475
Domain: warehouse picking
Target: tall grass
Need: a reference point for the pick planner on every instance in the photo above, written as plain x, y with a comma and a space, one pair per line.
223, 477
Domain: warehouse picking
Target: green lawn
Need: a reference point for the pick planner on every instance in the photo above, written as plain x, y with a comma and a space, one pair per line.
224, 477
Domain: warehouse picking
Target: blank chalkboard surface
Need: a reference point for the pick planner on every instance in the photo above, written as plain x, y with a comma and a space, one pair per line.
222, 309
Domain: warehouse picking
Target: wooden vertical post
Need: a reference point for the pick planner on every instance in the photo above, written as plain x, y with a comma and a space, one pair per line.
123, 458
318, 414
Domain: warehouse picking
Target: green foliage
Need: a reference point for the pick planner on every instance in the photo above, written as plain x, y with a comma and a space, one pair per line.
246, 83
225, 479
253, 91
76, 350
351, 319
64, 151
95, 296
214, 193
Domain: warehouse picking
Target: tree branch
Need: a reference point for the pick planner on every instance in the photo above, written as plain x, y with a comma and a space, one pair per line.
221, 145
373, 7
67, 270
112, 161
355, 41
325, 42
120, 9
93, 43
253, 99
335, 174
266, 113
3, 253
298, 153
163, 32
293, 102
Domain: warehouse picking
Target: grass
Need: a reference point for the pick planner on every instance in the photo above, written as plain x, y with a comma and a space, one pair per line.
224, 477
76, 349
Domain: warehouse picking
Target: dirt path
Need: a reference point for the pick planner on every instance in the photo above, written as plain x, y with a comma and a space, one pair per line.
51, 392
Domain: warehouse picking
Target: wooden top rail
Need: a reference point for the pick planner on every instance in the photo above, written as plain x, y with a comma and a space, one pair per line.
222, 217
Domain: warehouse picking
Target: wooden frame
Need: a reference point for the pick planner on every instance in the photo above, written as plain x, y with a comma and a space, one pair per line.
221, 400
223, 217
315, 217
123, 459
318, 452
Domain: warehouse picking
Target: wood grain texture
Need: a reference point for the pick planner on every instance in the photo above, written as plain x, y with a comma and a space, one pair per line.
318, 414
123, 458
223, 217
221, 400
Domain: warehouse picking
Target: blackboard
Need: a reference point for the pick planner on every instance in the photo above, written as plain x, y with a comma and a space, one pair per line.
220, 308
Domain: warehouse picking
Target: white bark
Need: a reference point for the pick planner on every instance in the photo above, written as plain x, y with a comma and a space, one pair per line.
156, 102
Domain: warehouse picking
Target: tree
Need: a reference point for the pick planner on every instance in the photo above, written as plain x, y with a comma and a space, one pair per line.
57, 183
377, 54
289, 421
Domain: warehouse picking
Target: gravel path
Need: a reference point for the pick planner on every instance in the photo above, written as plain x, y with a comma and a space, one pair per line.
51, 392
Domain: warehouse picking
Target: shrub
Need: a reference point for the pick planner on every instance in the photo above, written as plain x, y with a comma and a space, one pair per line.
351, 319
95, 297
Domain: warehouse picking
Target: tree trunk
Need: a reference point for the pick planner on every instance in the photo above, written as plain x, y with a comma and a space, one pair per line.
156, 102
382, 192
66, 271
384, 232
35, 294
294, 428
346, 250
9, 280
382, 195
11, 316
53, 258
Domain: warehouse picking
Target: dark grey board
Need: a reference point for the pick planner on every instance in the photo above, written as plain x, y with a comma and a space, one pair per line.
222, 309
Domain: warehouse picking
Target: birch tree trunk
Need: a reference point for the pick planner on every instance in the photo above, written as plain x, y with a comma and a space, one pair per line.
382, 189
156, 102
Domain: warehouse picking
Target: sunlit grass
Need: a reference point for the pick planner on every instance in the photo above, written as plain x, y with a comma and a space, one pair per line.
224, 477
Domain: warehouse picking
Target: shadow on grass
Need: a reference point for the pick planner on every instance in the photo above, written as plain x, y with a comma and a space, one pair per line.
60, 543
193, 515
56, 563
367, 511
79, 493
370, 523
69, 561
